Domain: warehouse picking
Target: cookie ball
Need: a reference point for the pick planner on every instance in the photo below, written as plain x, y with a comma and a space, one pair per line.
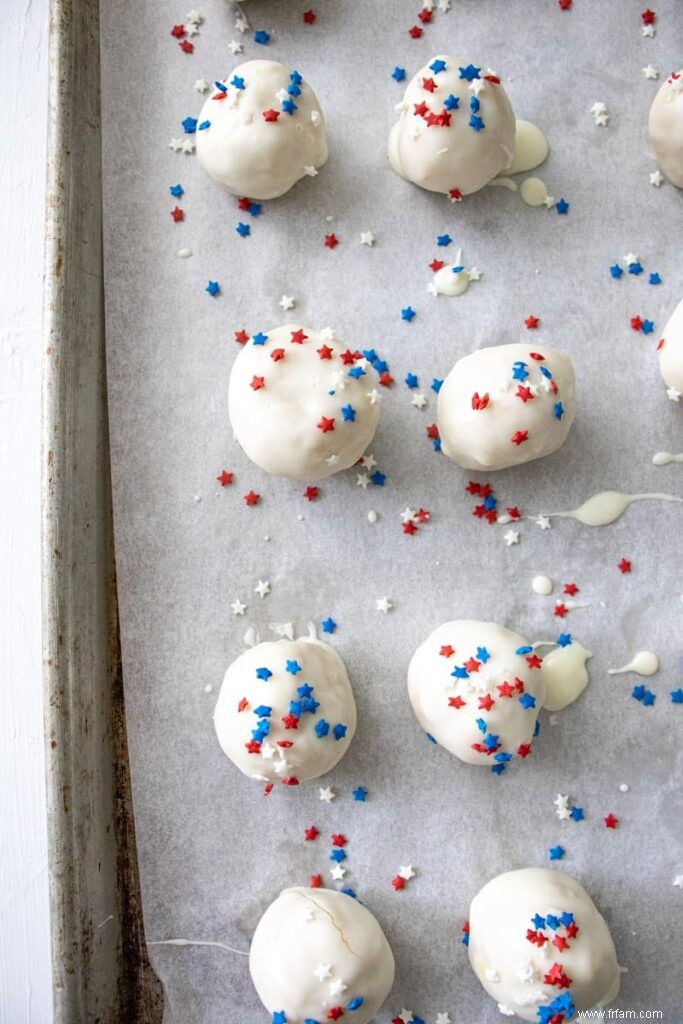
476, 689
505, 405
286, 711
666, 127
456, 128
320, 955
540, 947
670, 350
261, 130
302, 404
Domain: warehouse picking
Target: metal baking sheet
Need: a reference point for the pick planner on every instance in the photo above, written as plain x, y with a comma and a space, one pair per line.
100, 969
213, 853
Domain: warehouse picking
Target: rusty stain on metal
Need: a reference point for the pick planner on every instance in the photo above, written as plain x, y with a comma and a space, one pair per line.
101, 973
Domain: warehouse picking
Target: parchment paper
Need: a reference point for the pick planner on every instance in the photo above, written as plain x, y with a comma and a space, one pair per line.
213, 851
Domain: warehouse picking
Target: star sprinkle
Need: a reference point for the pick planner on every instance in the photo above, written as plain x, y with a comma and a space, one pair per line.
610, 821
651, 72
556, 853
309, 17
367, 238
531, 323
383, 604
408, 314
262, 588
323, 972
624, 566
331, 241
327, 794
359, 795
212, 288
237, 607
511, 537
252, 498
286, 302
235, 47
562, 206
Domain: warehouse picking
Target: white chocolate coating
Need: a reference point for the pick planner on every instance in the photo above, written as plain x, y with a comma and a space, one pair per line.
565, 675
525, 398
671, 350
666, 127
513, 969
486, 714
315, 950
433, 143
313, 416
253, 156
291, 692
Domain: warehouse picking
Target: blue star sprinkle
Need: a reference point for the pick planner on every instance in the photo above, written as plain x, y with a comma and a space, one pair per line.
243, 230
555, 853
564, 640
204, 125
356, 1004
443, 240
237, 82
339, 731
356, 371
359, 795
176, 190
538, 922
654, 279
676, 696
348, 413
558, 410
527, 701
212, 288
553, 921
407, 314
328, 625
304, 691
436, 385
647, 327
293, 667
577, 814
469, 73
377, 479
635, 268
289, 107
525, 649
260, 338
483, 654
279, 1017
562, 206
398, 74
263, 673
451, 102
460, 672
437, 65
616, 271
411, 380
322, 728
338, 856
262, 711
189, 125
262, 37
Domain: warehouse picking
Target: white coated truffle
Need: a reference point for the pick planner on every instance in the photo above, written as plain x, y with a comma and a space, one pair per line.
666, 127
505, 405
540, 947
671, 351
286, 711
261, 130
317, 950
302, 404
476, 689
456, 128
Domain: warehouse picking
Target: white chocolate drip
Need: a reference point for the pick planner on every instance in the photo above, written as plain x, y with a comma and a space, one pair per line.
664, 458
607, 506
530, 150
644, 663
565, 675
542, 585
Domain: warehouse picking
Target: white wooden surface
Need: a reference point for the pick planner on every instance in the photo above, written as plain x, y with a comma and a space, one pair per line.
25, 995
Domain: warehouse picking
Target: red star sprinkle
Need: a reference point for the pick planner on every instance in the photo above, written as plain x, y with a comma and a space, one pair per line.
410, 527
660, 344
187, 47
420, 109
447, 651
456, 702
178, 31
338, 839
267, 788
425, 16
636, 323
486, 703
429, 84
385, 379
519, 685
432, 431
523, 750
290, 721
564, 5
285, 743
560, 609
537, 356
257, 383
253, 747
513, 512
610, 821
331, 241
415, 32
571, 589
325, 352
398, 883
315, 881
572, 930
271, 115
519, 437
525, 393
334, 1013
224, 478
557, 977
648, 16
311, 833
177, 214
243, 704
436, 265
298, 337
290, 780
252, 498
624, 566
326, 425
311, 493
348, 358
277, 354
533, 661
472, 665
455, 195
422, 515
479, 402
244, 203
241, 337
531, 323
559, 942
309, 17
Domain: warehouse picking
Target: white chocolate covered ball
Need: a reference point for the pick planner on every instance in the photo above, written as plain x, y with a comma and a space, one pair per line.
540, 947
286, 711
670, 350
261, 130
505, 405
456, 128
476, 689
666, 127
302, 404
316, 952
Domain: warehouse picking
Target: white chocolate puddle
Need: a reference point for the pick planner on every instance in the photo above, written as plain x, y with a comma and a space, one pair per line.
664, 458
530, 149
565, 675
542, 585
644, 663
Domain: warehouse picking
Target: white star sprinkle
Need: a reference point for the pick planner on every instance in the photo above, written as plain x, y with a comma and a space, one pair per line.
327, 794
367, 238
407, 515
651, 72
241, 24
631, 257
374, 396
542, 521
649, 30
192, 29
338, 872
362, 480
442, 1018
237, 608
194, 17
383, 604
673, 395
332, 460
477, 85
323, 972
407, 872
188, 146
406, 1016
418, 400
678, 881
444, 5
201, 85
511, 537
310, 170
656, 178
262, 588
337, 987
368, 462
602, 120
286, 302
474, 274
235, 46
176, 145
598, 108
